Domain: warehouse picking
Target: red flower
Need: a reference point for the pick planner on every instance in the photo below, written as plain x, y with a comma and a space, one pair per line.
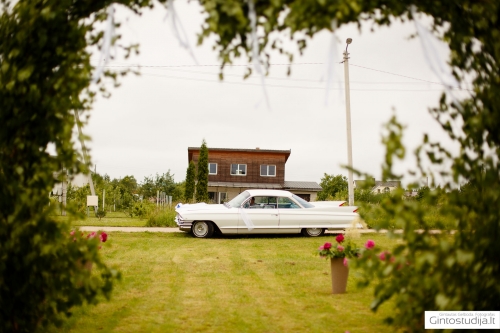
327, 246
345, 262
103, 236
91, 235
339, 238
340, 248
370, 244
382, 255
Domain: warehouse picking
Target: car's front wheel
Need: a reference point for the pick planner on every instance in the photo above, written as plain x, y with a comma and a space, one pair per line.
202, 229
313, 232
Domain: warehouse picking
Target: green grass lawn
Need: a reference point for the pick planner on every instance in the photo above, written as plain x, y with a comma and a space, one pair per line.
112, 219
177, 283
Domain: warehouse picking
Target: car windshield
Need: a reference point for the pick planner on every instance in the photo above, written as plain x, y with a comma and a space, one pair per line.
301, 201
238, 200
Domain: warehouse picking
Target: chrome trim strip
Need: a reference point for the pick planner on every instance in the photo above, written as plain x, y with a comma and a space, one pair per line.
184, 225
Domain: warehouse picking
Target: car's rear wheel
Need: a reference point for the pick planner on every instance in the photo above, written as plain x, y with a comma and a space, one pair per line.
313, 232
203, 229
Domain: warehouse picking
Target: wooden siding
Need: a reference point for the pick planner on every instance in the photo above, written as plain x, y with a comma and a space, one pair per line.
253, 160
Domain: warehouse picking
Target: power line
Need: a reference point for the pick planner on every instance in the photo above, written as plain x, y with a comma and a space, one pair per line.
231, 65
287, 79
409, 77
280, 86
295, 64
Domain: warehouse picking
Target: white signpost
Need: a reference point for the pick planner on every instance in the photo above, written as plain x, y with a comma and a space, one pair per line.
92, 200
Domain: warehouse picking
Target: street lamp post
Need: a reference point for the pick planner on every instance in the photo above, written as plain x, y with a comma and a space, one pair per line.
348, 122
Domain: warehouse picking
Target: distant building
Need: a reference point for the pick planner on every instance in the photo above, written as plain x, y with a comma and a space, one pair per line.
79, 180
232, 171
380, 186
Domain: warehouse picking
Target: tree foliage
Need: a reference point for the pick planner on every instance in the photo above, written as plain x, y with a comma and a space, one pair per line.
162, 183
190, 182
427, 272
332, 186
120, 193
44, 75
202, 175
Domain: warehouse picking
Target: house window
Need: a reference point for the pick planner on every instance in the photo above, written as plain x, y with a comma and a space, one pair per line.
222, 197
268, 170
217, 197
238, 169
212, 168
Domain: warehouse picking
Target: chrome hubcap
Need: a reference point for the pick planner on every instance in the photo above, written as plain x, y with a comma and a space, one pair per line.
200, 229
314, 231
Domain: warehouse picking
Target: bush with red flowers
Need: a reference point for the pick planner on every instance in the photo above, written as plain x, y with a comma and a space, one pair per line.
343, 249
103, 237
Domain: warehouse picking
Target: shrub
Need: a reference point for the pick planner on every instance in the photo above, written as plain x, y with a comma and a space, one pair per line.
447, 271
100, 213
42, 276
45, 59
162, 218
142, 209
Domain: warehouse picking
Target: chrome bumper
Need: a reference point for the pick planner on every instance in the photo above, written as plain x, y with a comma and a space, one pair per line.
183, 224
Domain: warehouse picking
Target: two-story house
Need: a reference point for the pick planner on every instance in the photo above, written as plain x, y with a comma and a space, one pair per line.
232, 171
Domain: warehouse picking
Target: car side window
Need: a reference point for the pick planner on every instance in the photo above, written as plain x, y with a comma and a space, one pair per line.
284, 203
261, 202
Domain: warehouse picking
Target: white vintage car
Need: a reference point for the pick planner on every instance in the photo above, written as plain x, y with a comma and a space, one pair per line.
265, 212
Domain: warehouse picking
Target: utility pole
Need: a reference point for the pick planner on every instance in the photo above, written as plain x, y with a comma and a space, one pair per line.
64, 191
103, 196
348, 123
85, 155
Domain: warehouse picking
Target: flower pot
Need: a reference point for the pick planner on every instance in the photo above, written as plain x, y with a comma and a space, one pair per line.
340, 272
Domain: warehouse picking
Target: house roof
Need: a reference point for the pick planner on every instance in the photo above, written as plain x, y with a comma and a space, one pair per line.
389, 183
244, 150
299, 185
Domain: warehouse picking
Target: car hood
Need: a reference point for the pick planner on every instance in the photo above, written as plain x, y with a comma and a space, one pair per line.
198, 207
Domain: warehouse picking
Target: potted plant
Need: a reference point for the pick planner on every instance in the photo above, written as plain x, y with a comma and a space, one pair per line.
338, 255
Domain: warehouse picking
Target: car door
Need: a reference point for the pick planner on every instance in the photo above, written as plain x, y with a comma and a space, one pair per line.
291, 214
259, 215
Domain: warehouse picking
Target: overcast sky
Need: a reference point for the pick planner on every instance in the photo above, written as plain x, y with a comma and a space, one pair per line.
150, 121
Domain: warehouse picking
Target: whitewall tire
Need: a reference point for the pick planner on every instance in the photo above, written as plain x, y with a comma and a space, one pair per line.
313, 232
202, 229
